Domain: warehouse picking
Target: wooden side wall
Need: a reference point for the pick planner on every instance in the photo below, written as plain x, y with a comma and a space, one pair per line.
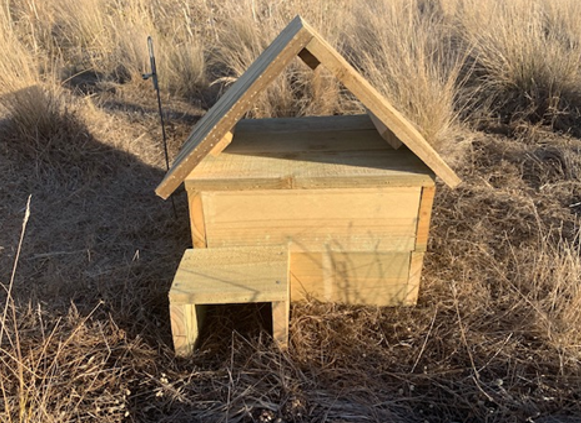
197, 221
313, 220
358, 246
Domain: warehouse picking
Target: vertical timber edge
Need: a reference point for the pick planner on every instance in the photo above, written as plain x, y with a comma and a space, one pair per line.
415, 274
424, 217
184, 327
197, 220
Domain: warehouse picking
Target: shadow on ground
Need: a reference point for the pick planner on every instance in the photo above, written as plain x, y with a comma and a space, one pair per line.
97, 232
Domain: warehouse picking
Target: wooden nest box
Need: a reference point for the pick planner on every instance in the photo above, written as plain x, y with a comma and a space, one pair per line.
349, 197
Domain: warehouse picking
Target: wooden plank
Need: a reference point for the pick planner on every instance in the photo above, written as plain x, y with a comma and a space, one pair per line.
341, 220
197, 223
415, 274
281, 313
319, 133
314, 169
222, 117
261, 70
305, 124
231, 275
424, 218
222, 144
385, 132
184, 327
370, 278
280, 322
178, 328
269, 143
380, 107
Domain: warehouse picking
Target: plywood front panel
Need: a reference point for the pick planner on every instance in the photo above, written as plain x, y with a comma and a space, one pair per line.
373, 278
361, 220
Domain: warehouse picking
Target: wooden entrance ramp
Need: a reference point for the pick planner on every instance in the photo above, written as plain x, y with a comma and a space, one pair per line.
228, 276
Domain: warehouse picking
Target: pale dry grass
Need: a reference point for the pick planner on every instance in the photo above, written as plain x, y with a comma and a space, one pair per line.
247, 31
548, 284
406, 50
527, 57
107, 38
18, 66
524, 57
85, 333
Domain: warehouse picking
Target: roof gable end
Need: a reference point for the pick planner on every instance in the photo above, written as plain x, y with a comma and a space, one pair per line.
297, 39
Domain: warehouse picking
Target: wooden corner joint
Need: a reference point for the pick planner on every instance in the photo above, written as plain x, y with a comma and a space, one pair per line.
223, 143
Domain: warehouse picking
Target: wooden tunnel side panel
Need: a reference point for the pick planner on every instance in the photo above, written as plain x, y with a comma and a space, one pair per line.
369, 278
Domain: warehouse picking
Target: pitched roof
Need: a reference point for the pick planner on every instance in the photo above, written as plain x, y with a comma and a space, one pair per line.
297, 39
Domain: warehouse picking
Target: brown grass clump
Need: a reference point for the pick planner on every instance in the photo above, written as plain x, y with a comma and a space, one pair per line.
38, 120
85, 333
52, 379
527, 57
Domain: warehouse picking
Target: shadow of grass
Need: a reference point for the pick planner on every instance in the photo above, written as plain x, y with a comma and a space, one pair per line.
97, 232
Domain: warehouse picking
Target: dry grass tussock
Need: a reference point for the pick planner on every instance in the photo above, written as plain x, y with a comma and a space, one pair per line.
422, 82
526, 57
246, 32
84, 334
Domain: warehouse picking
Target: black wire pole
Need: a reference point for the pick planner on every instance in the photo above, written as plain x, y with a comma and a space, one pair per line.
153, 76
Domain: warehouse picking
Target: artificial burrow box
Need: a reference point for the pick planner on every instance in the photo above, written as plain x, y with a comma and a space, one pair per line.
347, 199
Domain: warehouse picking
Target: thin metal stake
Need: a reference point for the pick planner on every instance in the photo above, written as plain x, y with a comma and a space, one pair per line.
153, 76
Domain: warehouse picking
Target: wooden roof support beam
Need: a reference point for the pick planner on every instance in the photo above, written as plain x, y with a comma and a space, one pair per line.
379, 107
385, 132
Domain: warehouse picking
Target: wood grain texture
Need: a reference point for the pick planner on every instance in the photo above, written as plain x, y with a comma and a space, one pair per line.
222, 144
222, 117
415, 274
271, 143
313, 220
424, 218
379, 107
385, 132
314, 133
280, 322
305, 124
309, 169
281, 315
231, 275
197, 222
371, 278
185, 328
